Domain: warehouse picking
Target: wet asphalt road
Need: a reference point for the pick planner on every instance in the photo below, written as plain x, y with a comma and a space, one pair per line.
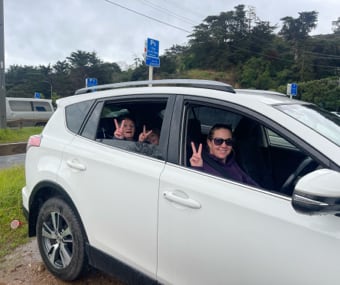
11, 160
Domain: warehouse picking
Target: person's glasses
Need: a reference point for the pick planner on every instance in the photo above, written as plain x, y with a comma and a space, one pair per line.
220, 141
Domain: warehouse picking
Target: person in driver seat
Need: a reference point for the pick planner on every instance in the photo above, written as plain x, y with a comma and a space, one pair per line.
220, 158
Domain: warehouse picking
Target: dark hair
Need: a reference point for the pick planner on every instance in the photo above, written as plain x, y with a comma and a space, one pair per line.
126, 117
217, 127
156, 131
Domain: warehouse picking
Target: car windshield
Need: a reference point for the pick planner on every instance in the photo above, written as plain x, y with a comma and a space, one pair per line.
320, 120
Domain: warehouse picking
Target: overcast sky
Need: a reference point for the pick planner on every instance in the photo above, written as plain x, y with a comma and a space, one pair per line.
42, 32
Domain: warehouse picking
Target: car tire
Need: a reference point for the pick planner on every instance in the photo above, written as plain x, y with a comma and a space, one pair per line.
61, 240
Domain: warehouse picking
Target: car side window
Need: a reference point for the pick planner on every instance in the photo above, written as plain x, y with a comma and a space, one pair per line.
42, 106
20, 106
134, 126
199, 120
262, 155
75, 115
90, 128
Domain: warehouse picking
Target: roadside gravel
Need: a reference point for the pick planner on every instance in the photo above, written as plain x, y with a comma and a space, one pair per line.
24, 266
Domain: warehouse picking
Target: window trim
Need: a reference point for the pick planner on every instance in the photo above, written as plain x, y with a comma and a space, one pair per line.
167, 99
184, 100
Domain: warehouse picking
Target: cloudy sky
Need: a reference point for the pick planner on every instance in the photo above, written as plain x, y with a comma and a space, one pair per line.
42, 32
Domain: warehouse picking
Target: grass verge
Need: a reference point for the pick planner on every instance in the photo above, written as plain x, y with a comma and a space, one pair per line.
11, 182
18, 135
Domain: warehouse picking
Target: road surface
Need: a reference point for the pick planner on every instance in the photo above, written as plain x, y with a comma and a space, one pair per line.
11, 160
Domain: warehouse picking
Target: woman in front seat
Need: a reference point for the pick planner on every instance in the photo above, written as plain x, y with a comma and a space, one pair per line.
220, 159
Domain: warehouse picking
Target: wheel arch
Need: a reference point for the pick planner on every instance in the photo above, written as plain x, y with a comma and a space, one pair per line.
43, 191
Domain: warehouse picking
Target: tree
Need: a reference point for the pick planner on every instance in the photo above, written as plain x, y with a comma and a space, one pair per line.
62, 67
62, 83
80, 59
256, 74
336, 26
296, 30
229, 39
82, 66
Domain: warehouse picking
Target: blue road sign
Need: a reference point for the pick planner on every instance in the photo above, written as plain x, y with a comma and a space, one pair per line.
37, 95
293, 89
152, 61
89, 82
152, 48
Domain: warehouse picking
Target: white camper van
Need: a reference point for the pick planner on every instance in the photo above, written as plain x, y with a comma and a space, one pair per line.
21, 112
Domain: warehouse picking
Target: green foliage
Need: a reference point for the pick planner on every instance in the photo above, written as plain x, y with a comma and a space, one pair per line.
11, 182
237, 43
325, 93
62, 79
18, 135
336, 26
296, 30
208, 74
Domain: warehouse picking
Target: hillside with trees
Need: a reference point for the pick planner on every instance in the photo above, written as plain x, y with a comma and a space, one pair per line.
235, 47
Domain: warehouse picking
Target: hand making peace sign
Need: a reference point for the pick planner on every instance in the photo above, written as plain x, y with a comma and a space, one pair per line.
196, 158
119, 129
143, 135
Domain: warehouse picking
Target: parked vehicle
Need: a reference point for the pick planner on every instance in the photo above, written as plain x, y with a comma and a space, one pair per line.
140, 212
28, 112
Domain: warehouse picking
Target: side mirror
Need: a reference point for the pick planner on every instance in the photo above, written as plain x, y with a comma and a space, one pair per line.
318, 193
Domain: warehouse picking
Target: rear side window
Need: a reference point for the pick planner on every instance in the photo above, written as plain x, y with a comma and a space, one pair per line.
41, 106
75, 115
20, 106
140, 123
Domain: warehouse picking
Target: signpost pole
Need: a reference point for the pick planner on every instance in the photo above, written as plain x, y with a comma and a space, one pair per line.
3, 122
150, 74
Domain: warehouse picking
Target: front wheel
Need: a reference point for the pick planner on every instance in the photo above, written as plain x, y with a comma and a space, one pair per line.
61, 240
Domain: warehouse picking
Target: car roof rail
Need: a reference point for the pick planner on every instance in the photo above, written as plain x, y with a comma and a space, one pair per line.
198, 83
258, 92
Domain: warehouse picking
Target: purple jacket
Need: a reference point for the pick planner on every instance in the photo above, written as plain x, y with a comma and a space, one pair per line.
233, 171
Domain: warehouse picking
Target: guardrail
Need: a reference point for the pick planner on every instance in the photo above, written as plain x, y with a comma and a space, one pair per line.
20, 123
12, 148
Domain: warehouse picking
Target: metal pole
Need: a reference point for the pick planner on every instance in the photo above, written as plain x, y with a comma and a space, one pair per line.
3, 122
150, 74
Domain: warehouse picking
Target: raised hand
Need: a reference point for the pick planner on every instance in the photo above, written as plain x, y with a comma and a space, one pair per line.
143, 135
196, 158
118, 133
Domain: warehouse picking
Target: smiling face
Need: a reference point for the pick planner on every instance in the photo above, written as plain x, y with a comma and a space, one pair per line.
220, 151
128, 129
153, 138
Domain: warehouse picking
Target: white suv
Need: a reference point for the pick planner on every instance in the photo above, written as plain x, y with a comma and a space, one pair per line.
139, 211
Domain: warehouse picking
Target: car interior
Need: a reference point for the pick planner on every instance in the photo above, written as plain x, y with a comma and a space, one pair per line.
269, 159
149, 114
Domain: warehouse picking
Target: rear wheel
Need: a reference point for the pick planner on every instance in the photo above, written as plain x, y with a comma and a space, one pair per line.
61, 240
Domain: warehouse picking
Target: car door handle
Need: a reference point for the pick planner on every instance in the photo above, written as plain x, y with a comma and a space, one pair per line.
185, 201
75, 164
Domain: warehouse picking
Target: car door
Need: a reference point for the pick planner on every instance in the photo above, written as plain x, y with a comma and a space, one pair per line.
116, 191
216, 231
